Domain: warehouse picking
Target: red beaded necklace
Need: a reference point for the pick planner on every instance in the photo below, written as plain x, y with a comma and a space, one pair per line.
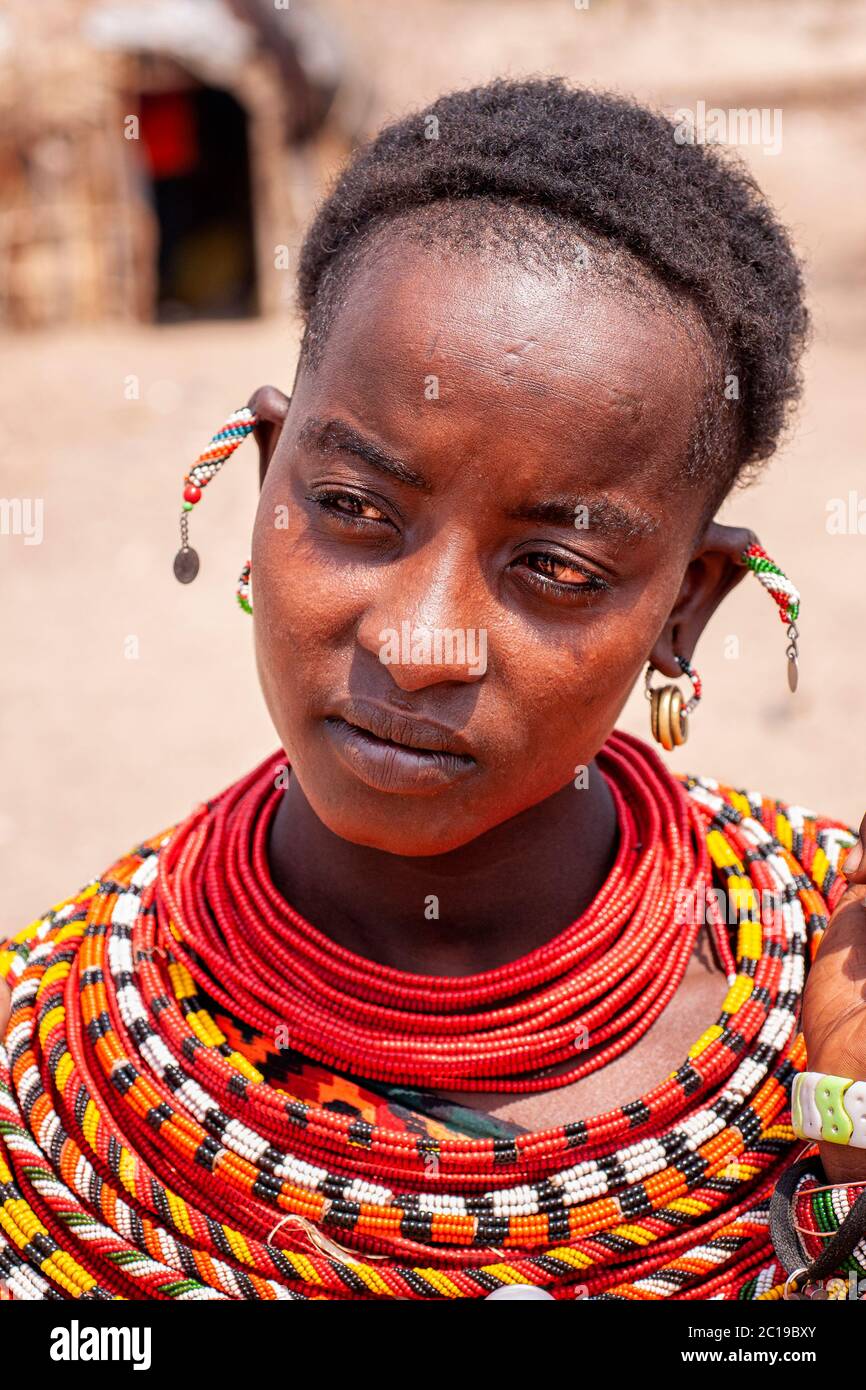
594, 989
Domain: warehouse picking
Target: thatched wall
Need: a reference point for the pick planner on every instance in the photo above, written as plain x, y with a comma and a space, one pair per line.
77, 233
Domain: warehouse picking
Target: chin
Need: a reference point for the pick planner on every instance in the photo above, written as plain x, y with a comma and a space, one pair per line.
410, 827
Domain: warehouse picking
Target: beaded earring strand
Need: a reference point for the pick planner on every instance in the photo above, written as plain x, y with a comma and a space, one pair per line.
780, 588
221, 447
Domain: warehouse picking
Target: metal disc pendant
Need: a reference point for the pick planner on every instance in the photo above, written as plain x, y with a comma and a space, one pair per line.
186, 564
793, 673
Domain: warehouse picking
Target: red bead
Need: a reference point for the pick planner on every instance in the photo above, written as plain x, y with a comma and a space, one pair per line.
191, 493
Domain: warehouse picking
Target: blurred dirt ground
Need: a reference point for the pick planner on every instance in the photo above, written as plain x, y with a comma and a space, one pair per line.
125, 699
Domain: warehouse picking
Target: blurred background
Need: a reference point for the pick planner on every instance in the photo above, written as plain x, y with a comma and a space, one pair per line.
159, 161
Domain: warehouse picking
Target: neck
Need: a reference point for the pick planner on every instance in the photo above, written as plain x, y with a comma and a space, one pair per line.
478, 907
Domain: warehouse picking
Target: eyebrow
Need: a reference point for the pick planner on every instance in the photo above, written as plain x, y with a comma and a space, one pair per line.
603, 515
338, 437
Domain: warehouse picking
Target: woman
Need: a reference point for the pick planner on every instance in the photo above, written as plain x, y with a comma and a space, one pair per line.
462, 990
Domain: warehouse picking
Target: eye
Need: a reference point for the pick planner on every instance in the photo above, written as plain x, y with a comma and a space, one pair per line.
349, 508
558, 576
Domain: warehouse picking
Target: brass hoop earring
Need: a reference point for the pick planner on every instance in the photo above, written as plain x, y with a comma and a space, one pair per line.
669, 713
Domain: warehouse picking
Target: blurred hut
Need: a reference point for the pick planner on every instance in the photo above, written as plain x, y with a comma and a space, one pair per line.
159, 160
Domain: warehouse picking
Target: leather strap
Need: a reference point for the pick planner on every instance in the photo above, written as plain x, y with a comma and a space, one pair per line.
785, 1240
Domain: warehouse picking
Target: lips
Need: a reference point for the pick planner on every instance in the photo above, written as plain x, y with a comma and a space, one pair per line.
393, 751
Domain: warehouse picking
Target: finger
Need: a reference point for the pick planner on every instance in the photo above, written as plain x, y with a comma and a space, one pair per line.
854, 896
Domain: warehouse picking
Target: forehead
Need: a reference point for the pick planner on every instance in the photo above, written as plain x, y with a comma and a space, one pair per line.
476, 355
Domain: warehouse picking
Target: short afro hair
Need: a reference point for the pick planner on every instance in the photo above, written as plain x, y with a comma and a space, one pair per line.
540, 166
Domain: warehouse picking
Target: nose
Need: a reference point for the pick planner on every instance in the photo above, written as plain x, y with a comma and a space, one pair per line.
426, 622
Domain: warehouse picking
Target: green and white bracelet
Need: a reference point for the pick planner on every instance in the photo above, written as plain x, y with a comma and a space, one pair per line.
829, 1109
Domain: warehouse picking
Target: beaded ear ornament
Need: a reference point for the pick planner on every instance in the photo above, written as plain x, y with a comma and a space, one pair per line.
207, 465
787, 598
669, 712
242, 422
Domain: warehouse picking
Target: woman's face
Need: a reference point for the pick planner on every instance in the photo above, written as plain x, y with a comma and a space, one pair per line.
468, 541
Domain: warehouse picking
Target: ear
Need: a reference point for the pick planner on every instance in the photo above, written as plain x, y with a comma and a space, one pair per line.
271, 408
713, 571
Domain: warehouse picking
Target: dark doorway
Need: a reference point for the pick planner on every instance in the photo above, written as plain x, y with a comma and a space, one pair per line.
195, 142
